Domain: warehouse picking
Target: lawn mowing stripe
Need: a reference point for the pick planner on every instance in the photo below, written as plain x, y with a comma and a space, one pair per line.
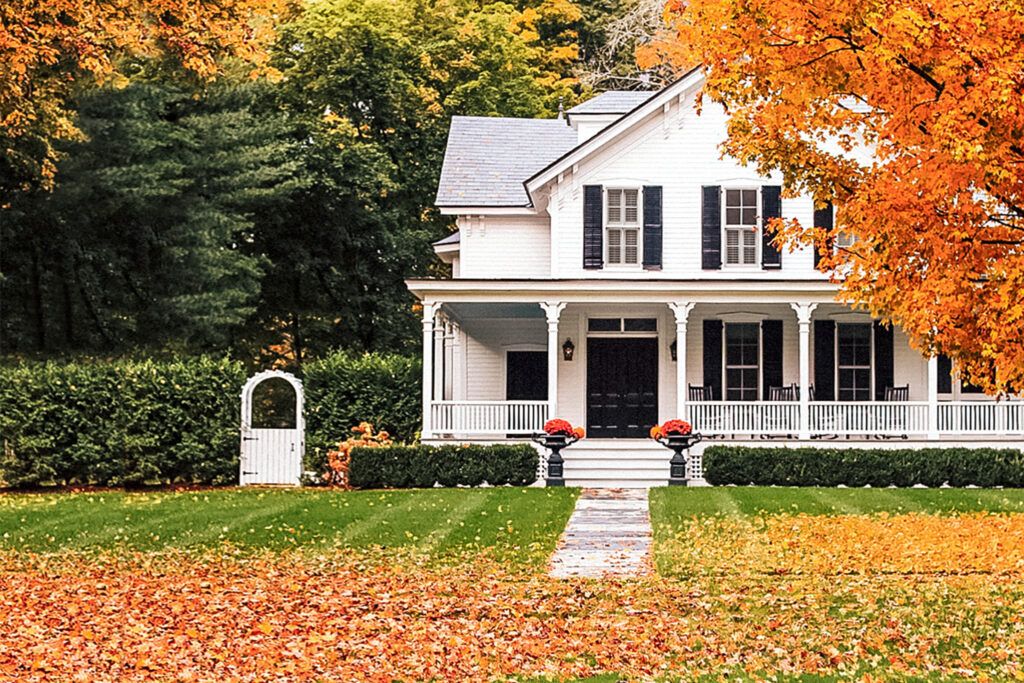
461, 512
836, 499
354, 533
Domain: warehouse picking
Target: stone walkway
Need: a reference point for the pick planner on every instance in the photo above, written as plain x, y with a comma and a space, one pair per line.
608, 534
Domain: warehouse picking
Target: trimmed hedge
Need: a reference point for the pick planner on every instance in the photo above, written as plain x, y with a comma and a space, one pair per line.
120, 423
877, 467
347, 388
449, 465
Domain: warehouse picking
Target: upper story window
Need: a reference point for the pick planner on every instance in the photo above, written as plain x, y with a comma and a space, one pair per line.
741, 233
623, 226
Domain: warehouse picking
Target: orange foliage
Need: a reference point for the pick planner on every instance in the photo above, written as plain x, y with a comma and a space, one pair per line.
48, 45
339, 458
909, 116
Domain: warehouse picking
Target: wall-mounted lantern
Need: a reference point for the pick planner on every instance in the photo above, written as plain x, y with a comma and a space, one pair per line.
568, 349
672, 348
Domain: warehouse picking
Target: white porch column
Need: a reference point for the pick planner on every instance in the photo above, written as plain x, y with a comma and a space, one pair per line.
682, 313
552, 311
933, 398
458, 364
439, 361
803, 318
429, 311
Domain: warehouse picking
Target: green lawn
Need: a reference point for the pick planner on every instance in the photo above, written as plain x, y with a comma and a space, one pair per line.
673, 505
521, 523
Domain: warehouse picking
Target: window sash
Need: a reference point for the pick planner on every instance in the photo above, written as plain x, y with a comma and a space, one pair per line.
739, 221
855, 355
742, 359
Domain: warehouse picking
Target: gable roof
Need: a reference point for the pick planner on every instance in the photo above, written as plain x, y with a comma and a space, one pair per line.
453, 238
612, 102
692, 78
487, 158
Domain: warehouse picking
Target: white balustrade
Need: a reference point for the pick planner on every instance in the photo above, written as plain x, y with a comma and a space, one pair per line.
869, 418
981, 417
745, 417
473, 418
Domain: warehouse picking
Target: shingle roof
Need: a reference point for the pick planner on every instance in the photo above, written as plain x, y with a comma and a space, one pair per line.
612, 102
453, 238
488, 158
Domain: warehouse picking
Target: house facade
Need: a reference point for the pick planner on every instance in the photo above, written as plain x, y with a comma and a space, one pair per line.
611, 268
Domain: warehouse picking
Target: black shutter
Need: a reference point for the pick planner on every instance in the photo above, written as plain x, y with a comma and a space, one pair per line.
883, 360
593, 227
945, 374
771, 207
771, 355
713, 357
822, 219
824, 360
652, 227
711, 227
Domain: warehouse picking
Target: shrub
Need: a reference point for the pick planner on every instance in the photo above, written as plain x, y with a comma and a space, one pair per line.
422, 466
339, 458
864, 466
346, 389
120, 423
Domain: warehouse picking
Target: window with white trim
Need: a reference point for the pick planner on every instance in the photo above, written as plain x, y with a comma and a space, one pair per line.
742, 361
741, 233
853, 361
623, 226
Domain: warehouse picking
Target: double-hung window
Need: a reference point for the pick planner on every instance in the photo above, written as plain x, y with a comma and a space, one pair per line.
742, 361
741, 231
623, 227
853, 351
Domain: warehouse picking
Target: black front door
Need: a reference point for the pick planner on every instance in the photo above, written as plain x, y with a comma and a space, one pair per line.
622, 387
526, 376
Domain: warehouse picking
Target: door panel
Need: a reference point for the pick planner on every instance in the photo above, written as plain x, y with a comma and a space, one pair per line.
622, 387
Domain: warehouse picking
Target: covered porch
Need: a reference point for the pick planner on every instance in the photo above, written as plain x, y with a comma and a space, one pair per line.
740, 362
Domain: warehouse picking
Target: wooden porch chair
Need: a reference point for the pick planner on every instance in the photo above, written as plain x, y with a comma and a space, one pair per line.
700, 393
898, 393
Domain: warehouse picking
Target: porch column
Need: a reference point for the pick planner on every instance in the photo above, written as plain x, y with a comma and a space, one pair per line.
458, 364
803, 318
440, 361
429, 311
552, 311
682, 313
933, 398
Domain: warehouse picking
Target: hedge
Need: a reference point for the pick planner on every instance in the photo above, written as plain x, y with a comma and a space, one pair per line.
449, 465
347, 388
119, 423
864, 466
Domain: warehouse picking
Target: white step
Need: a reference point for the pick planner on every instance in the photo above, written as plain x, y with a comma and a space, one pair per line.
616, 483
616, 463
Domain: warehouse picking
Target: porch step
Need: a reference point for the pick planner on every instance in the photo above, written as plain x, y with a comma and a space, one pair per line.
626, 463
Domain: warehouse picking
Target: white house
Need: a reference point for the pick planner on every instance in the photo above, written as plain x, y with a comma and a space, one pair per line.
610, 268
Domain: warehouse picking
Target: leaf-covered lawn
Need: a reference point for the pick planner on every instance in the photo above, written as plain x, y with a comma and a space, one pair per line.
847, 585
517, 523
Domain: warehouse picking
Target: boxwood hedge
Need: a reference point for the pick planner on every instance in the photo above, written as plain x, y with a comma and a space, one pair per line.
743, 465
422, 466
119, 423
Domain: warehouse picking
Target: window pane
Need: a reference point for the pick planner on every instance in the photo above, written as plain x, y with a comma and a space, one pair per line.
632, 215
732, 216
640, 325
604, 324
732, 247
615, 246
750, 198
614, 206
631, 246
732, 197
749, 216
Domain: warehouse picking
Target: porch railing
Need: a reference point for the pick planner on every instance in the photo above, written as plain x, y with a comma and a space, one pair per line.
472, 418
745, 417
982, 417
864, 418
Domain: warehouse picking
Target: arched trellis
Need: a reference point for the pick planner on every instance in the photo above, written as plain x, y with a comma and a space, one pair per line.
272, 455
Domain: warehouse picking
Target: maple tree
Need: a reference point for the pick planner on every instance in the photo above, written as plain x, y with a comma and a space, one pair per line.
909, 117
50, 46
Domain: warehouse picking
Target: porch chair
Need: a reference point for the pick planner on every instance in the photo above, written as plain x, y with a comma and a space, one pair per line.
896, 394
700, 393
783, 393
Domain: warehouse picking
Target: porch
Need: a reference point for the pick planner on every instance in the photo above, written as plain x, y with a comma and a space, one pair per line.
763, 365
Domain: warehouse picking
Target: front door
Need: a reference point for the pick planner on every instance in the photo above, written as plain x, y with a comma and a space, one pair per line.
622, 387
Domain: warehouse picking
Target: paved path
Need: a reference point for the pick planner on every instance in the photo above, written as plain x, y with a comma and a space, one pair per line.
608, 534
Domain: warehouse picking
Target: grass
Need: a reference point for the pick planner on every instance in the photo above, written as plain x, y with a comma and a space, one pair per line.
673, 505
515, 523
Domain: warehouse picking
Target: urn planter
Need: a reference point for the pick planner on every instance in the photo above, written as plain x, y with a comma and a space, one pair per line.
555, 443
678, 443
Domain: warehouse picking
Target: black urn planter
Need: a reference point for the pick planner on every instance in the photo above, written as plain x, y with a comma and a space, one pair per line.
555, 443
677, 465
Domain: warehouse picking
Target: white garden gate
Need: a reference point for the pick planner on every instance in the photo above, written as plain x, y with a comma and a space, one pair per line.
271, 454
